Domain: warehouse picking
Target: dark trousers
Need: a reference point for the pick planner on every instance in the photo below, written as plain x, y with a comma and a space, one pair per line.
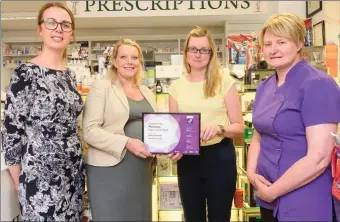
208, 181
267, 215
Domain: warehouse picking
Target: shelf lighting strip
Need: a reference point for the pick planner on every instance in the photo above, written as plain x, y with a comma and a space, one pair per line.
19, 18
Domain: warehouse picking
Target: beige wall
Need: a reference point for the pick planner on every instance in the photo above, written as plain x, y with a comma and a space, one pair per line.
331, 14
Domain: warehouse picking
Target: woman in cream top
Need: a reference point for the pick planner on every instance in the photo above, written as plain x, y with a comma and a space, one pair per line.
207, 181
119, 168
213, 111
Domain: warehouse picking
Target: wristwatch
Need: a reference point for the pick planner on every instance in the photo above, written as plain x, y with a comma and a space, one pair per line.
222, 129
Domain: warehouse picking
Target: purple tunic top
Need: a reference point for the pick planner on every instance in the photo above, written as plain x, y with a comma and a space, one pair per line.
281, 114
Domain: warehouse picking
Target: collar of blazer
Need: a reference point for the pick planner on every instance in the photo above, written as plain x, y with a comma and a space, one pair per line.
148, 95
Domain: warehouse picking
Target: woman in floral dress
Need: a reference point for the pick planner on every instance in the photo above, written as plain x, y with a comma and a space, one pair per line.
40, 138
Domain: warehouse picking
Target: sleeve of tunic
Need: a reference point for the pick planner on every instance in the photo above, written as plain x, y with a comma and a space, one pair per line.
19, 98
321, 102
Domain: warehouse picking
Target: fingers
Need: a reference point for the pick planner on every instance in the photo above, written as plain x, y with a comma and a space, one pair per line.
263, 180
145, 153
211, 133
207, 133
202, 134
176, 156
141, 151
141, 155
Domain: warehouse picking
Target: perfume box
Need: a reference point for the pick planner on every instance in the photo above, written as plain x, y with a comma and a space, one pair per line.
163, 166
169, 197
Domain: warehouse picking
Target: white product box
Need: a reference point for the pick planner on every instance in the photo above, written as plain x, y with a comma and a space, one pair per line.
172, 71
169, 197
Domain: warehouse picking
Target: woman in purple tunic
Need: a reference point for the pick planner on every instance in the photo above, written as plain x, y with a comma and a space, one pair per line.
295, 112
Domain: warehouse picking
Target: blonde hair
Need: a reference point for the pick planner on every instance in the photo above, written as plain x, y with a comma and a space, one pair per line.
59, 5
213, 74
285, 25
112, 71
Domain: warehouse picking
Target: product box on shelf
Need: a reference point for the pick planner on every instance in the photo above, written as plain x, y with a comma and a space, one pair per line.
163, 166
245, 151
251, 214
239, 150
249, 195
248, 133
243, 184
162, 101
170, 216
171, 71
234, 215
169, 197
238, 140
166, 167
174, 167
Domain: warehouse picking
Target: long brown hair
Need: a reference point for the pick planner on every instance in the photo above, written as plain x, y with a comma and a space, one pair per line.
59, 5
112, 71
213, 74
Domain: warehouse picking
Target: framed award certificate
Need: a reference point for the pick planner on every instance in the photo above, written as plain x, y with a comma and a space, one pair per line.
172, 132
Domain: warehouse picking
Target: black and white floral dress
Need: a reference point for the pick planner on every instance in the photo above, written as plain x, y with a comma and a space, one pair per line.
40, 133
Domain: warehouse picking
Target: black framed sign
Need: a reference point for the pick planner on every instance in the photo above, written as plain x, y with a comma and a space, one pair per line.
172, 132
313, 7
319, 34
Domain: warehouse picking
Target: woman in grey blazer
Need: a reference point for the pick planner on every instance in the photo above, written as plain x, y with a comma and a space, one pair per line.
119, 168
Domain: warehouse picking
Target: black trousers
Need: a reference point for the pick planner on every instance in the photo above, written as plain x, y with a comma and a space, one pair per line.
267, 215
208, 182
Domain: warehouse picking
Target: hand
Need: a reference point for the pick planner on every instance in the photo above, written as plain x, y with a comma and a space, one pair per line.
262, 180
263, 189
17, 189
175, 156
253, 176
138, 148
15, 174
16, 185
208, 132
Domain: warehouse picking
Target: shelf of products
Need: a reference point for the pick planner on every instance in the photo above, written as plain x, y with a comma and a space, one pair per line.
168, 52
13, 54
